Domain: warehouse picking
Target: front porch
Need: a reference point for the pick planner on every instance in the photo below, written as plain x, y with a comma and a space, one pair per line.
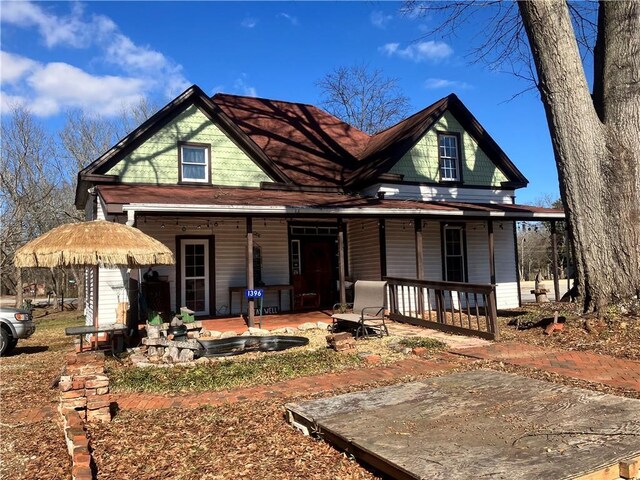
239, 324
301, 245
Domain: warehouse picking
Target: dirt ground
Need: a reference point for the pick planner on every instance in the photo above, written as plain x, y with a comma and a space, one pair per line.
243, 440
34, 449
618, 334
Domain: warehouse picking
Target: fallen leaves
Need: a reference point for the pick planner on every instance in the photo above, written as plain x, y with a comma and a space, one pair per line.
243, 440
618, 335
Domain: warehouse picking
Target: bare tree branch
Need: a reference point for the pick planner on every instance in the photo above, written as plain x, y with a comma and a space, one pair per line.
363, 97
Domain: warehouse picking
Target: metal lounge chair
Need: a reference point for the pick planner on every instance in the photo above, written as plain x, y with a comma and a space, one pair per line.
368, 309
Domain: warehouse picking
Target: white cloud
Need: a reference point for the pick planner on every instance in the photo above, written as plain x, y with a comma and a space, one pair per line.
124, 52
379, 19
70, 30
139, 69
49, 88
438, 83
14, 67
60, 85
241, 86
9, 102
249, 22
293, 20
419, 52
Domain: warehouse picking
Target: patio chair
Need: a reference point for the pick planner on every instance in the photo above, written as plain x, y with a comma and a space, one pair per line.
303, 297
368, 309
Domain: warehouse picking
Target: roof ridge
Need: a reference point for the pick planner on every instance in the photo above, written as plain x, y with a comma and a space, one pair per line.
270, 100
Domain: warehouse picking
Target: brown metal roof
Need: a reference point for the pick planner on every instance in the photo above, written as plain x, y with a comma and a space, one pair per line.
209, 196
311, 146
300, 144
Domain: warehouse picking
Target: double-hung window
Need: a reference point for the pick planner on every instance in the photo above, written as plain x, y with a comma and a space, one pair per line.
449, 155
454, 253
194, 163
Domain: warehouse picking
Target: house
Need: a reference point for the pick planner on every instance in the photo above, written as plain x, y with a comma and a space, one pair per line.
307, 198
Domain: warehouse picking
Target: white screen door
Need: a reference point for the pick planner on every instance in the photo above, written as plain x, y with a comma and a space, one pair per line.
195, 275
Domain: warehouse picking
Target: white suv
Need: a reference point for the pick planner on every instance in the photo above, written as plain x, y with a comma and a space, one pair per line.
14, 324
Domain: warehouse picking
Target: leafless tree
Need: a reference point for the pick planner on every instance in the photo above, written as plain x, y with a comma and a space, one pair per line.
363, 97
30, 177
38, 175
595, 134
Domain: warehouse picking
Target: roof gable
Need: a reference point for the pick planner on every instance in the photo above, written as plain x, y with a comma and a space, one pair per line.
387, 148
301, 145
97, 170
421, 162
156, 159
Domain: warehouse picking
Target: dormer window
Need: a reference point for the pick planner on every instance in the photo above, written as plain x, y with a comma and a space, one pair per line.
449, 157
194, 162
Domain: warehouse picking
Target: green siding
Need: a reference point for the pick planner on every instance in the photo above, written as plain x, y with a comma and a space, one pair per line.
156, 160
420, 164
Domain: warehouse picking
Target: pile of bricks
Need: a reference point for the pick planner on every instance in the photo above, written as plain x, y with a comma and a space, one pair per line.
78, 446
341, 342
84, 395
84, 387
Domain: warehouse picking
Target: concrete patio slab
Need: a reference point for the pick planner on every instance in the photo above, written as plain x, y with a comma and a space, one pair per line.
479, 424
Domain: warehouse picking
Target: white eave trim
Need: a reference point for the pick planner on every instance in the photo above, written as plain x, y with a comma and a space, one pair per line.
284, 210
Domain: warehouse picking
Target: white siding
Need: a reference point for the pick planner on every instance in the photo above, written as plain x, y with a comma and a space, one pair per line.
112, 284
364, 249
432, 250
434, 192
506, 277
478, 253
401, 256
230, 255
478, 260
401, 249
112, 289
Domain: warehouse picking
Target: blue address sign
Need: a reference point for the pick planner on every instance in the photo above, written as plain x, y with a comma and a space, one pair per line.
254, 293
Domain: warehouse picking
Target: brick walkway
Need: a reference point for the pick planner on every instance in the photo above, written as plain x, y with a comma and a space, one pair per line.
604, 369
299, 386
32, 415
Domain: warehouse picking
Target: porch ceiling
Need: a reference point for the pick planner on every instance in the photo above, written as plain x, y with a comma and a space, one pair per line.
213, 200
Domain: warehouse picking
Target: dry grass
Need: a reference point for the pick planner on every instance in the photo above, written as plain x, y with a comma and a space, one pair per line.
242, 440
259, 368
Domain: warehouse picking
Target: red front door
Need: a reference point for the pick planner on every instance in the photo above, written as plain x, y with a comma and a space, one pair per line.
318, 269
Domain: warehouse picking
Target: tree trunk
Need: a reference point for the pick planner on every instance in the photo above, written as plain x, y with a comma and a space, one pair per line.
78, 276
19, 292
597, 159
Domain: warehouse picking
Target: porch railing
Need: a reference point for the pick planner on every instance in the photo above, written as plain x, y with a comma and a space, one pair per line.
456, 307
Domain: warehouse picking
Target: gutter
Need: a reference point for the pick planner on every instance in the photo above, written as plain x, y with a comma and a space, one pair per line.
344, 212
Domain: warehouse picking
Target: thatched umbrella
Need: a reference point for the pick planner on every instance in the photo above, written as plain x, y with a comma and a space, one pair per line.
98, 243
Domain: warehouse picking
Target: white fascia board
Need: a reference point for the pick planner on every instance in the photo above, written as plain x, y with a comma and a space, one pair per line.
283, 210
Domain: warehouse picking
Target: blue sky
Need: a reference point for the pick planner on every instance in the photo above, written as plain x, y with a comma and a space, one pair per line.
101, 56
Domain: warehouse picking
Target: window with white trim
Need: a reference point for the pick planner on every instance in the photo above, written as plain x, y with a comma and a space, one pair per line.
454, 253
194, 163
448, 153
